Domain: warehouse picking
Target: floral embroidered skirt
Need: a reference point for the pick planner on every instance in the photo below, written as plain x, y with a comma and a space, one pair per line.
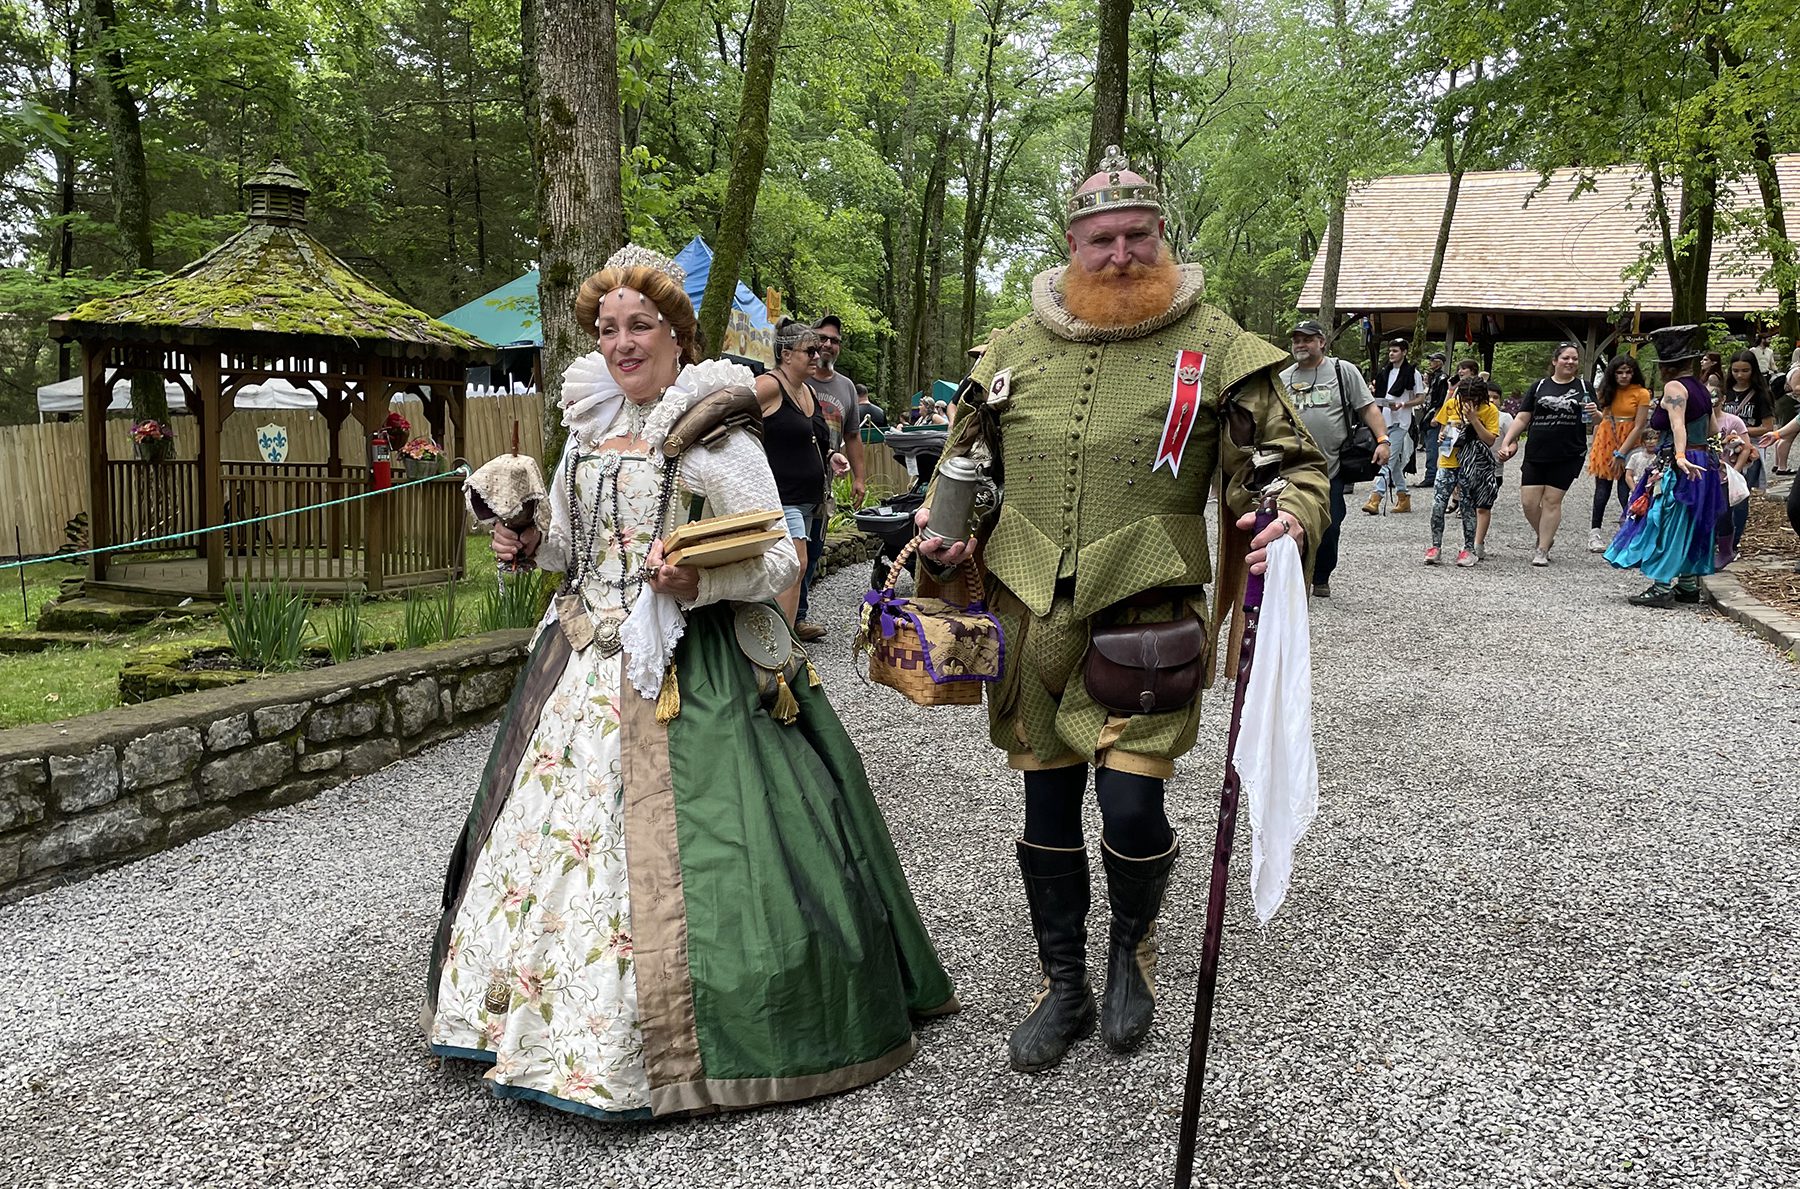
645, 920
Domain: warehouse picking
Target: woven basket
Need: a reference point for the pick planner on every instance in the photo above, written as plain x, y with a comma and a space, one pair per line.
898, 661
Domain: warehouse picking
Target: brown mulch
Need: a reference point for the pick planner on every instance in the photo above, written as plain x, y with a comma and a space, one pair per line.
1767, 557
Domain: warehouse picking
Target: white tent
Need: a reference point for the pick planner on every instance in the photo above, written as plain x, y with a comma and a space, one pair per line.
65, 397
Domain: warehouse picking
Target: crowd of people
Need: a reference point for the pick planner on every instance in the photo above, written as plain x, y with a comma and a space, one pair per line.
1713, 422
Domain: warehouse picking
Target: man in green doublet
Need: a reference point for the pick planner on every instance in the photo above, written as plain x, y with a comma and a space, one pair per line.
1111, 411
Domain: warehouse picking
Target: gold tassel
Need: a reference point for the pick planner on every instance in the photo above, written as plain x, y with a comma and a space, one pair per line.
785, 710
812, 676
668, 701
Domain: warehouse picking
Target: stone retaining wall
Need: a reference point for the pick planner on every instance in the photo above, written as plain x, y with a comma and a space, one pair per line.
93, 792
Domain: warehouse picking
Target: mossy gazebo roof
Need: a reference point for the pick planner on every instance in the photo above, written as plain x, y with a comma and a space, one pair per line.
270, 279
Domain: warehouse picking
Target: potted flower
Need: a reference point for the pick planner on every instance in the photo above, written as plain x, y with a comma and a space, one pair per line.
423, 457
396, 428
153, 440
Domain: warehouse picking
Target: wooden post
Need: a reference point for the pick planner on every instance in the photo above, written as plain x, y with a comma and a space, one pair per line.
376, 394
335, 409
96, 396
209, 396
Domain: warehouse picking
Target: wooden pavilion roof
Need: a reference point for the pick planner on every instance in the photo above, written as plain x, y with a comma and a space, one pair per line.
1515, 248
269, 281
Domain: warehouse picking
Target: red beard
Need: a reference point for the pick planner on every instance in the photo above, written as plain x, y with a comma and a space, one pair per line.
1121, 296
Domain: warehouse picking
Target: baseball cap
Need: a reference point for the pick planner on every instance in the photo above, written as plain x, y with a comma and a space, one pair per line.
1437, 355
1307, 326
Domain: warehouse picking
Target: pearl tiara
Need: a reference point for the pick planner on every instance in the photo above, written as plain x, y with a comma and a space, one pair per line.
637, 256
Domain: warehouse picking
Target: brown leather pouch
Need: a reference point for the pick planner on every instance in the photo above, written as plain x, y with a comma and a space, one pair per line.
712, 417
1145, 668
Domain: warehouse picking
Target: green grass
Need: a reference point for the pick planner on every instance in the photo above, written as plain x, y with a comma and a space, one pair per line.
65, 682
43, 582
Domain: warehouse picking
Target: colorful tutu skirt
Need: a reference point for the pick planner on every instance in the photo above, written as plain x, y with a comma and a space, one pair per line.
1686, 528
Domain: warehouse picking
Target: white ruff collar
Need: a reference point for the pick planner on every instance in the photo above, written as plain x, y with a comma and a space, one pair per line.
592, 399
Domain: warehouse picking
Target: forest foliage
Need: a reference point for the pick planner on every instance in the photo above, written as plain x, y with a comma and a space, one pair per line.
917, 151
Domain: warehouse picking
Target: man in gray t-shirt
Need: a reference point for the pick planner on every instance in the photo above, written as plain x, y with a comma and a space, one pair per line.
837, 397
1317, 384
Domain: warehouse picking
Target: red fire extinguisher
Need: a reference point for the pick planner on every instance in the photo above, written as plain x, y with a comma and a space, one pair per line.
381, 470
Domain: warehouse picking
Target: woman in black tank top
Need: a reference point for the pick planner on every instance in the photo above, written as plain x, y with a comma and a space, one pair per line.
796, 438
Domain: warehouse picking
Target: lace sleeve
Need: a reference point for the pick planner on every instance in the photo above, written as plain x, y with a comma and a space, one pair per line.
553, 551
734, 477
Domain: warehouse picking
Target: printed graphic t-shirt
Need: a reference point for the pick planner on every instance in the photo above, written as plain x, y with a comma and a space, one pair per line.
1558, 434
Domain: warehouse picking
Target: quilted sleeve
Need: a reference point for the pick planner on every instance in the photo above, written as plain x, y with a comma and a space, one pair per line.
734, 476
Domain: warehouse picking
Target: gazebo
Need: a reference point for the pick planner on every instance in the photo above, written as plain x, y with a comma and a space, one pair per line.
270, 303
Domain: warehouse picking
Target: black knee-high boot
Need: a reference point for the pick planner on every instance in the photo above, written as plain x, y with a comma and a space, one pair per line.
1134, 888
1056, 888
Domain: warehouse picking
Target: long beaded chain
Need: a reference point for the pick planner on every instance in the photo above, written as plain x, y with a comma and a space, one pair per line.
586, 536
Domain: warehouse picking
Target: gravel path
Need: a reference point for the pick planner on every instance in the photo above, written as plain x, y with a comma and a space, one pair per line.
1537, 938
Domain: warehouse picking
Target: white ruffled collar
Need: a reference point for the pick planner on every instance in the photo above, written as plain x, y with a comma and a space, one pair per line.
592, 400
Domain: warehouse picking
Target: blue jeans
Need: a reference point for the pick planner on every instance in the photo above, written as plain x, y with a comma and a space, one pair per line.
1431, 454
1326, 558
1399, 453
815, 547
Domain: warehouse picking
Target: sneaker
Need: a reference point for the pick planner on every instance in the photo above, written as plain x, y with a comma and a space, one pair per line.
1540, 557
1373, 507
1480, 552
1431, 556
1429, 481
1686, 596
1596, 540
1464, 558
1652, 597
1403, 501
1321, 590
809, 631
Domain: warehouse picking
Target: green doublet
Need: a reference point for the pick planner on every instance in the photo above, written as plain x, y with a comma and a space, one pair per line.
1089, 521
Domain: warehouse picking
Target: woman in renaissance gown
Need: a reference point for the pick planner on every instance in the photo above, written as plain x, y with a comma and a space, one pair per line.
668, 899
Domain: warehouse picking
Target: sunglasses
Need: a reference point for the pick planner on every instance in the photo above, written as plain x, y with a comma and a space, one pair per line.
832, 339
811, 352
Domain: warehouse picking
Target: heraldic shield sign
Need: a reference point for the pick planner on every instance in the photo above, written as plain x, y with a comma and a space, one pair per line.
272, 440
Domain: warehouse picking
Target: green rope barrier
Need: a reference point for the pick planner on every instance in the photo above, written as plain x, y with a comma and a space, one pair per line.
192, 533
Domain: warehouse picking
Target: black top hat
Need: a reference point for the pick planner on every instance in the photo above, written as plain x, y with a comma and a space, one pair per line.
1677, 344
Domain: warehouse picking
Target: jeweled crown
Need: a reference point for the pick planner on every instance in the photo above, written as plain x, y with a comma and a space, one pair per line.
1115, 194
638, 256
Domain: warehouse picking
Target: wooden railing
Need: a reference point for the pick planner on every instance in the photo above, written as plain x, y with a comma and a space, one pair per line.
422, 530
304, 541
153, 499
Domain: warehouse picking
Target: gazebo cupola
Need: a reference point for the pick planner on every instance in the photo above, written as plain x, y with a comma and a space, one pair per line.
269, 303
277, 197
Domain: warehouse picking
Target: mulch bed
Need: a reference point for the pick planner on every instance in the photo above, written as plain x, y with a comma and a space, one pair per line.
1767, 557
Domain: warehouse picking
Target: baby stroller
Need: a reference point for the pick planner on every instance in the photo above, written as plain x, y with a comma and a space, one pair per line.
891, 522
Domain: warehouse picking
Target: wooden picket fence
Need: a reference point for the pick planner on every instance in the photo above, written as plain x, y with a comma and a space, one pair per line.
43, 468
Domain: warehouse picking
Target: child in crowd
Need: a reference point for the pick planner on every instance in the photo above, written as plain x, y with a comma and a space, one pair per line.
1468, 425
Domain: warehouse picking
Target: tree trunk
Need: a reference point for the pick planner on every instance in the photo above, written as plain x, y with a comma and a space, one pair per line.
1111, 76
65, 181
1456, 161
130, 177
750, 148
1768, 183
581, 215
1340, 196
926, 243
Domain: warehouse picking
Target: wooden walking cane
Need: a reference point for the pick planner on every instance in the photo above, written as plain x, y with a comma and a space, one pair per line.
1228, 809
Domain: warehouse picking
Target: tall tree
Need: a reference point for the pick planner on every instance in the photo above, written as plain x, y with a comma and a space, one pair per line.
1112, 64
130, 174
750, 148
1456, 105
581, 213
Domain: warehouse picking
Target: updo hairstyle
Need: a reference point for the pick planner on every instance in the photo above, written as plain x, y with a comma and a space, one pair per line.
670, 299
